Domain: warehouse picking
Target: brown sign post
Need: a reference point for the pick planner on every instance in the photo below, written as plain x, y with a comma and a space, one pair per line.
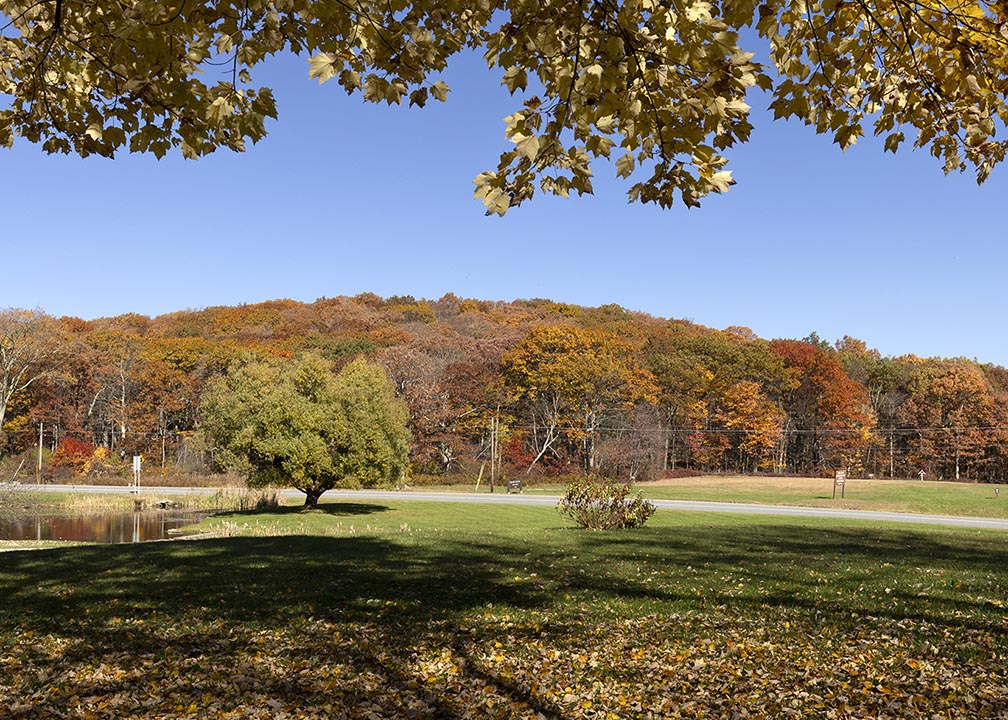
839, 479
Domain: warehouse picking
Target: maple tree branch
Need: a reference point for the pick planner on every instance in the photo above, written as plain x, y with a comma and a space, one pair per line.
928, 86
577, 61
378, 30
173, 18
635, 55
15, 18
543, 161
48, 42
144, 96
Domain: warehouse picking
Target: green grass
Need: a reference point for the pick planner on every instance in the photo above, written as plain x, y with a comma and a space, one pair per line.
398, 609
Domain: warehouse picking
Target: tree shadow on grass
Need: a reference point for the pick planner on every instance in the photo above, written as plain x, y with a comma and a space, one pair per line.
195, 613
900, 573
343, 627
347, 509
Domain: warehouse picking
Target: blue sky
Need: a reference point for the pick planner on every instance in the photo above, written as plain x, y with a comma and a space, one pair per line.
343, 198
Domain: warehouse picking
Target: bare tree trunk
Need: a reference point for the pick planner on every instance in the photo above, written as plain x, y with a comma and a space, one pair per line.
551, 430
27, 341
312, 496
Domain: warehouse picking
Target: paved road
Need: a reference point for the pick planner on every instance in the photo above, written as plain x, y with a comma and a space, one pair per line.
550, 501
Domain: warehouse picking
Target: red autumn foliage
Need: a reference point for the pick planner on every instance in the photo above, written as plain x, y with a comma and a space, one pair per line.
72, 453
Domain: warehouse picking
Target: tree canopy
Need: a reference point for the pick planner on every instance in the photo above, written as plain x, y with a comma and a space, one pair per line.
294, 422
528, 386
658, 88
573, 379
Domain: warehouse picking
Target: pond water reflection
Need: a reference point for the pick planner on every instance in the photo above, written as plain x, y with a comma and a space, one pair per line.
127, 527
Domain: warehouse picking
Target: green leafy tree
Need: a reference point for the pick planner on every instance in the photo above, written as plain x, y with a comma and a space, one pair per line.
295, 422
658, 88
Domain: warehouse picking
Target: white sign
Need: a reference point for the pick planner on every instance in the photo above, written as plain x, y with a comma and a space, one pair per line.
137, 462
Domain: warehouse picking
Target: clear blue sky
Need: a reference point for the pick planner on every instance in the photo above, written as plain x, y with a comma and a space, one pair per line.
343, 198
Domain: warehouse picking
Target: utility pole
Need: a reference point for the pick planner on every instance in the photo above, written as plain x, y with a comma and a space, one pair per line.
493, 451
38, 467
161, 423
957, 451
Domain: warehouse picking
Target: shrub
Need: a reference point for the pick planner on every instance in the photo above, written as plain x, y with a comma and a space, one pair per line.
74, 454
602, 505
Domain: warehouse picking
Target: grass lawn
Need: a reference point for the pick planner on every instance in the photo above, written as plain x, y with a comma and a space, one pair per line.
938, 498
913, 496
425, 610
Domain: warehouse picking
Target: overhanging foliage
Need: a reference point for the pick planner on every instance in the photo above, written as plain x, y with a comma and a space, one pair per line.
658, 88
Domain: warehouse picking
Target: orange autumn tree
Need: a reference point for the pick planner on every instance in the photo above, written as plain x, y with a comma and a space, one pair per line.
948, 418
699, 371
830, 422
421, 372
996, 452
885, 380
570, 381
756, 424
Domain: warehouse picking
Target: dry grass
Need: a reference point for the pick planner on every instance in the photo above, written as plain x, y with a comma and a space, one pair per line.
940, 498
163, 478
85, 503
785, 484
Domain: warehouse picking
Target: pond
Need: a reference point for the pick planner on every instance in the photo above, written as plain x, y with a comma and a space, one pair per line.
129, 527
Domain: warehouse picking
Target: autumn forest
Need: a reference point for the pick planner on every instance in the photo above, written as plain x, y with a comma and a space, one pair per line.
530, 388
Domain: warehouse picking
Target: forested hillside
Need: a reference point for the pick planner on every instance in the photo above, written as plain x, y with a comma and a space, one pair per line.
526, 387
